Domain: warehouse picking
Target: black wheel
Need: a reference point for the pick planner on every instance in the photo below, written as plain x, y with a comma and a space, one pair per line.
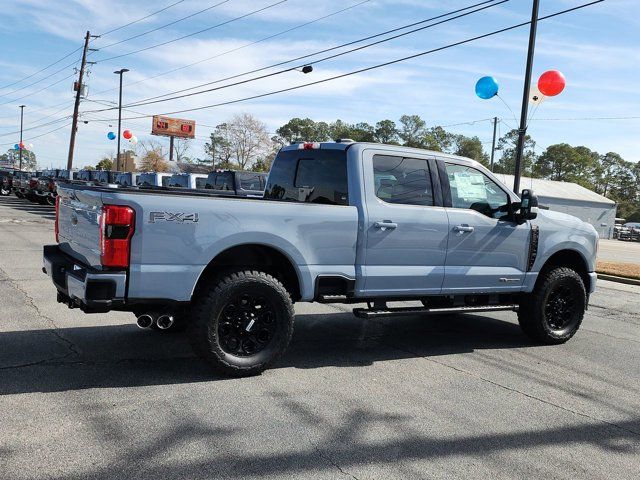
242, 323
19, 195
552, 314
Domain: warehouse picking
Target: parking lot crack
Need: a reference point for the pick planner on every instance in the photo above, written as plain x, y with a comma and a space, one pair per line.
514, 390
331, 461
55, 330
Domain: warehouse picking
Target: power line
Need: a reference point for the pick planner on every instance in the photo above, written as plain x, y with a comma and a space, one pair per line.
152, 100
164, 26
80, 48
263, 39
39, 71
193, 33
38, 91
377, 66
41, 135
141, 19
35, 127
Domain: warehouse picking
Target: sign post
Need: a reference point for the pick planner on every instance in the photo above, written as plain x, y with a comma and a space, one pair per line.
173, 127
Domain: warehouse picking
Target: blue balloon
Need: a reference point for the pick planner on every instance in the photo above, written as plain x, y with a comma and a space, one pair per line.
486, 88
16, 146
111, 136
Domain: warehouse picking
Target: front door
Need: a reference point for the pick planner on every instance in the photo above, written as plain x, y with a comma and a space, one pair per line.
486, 252
405, 226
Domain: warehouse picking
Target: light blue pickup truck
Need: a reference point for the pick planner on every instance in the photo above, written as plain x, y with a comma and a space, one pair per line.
339, 222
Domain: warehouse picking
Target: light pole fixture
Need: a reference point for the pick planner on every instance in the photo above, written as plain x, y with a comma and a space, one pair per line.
20, 144
119, 72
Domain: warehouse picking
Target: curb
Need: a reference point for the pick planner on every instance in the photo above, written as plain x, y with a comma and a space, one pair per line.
614, 278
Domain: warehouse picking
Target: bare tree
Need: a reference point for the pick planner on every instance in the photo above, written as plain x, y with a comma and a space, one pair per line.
152, 161
151, 145
248, 139
181, 147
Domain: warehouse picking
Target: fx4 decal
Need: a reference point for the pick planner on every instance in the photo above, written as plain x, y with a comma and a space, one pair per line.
172, 217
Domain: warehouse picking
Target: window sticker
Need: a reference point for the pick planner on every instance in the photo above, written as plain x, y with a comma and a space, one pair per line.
470, 185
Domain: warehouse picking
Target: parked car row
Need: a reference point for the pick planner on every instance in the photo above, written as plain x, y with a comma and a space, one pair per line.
630, 231
41, 186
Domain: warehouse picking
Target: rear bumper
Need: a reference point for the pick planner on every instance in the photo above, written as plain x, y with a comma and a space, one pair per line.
80, 286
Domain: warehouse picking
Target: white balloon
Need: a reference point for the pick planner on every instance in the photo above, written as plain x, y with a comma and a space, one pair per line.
133, 140
535, 96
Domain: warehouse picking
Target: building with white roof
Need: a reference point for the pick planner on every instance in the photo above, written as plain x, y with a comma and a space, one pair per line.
573, 199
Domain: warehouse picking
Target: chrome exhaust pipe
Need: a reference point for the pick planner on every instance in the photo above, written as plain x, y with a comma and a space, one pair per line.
165, 322
145, 320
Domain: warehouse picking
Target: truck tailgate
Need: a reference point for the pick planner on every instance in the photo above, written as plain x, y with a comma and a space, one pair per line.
79, 224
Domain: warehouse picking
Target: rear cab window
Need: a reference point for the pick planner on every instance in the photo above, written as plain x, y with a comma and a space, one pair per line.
249, 181
309, 176
403, 180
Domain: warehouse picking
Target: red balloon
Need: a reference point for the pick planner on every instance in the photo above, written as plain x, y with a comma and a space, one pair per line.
127, 134
21, 145
551, 83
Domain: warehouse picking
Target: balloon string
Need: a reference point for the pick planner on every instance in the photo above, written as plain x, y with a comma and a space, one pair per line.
506, 105
533, 111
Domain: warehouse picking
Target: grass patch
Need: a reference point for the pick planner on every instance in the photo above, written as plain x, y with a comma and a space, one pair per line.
629, 270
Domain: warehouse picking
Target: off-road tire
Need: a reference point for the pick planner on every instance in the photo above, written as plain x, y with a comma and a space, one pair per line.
207, 319
537, 316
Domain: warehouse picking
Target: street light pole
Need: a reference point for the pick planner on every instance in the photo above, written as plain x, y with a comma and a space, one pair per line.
493, 143
522, 131
20, 144
119, 72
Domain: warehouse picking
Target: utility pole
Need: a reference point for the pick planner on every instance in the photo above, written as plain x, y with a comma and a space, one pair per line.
171, 148
493, 144
522, 131
119, 72
20, 144
76, 107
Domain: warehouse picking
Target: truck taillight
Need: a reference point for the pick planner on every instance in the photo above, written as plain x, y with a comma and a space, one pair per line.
56, 227
117, 224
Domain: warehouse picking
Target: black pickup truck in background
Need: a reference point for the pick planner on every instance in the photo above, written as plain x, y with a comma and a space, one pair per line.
237, 183
6, 182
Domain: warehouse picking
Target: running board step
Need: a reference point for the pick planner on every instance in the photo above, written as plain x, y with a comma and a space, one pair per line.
402, 311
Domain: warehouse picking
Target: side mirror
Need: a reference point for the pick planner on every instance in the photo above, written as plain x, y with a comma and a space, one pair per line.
528, 205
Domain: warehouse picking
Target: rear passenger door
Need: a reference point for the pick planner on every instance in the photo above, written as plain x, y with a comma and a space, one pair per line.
487, 251
406, 226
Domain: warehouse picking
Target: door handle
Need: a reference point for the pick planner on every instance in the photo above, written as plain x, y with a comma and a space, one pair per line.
386, 224
463, 229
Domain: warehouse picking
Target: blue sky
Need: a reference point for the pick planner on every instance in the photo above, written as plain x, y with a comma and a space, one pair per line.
596, 48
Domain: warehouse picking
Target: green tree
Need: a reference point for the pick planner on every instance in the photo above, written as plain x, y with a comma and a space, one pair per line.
12, 157
104, 164
507, 162
470, 147
412, 130
303, 130
386, 132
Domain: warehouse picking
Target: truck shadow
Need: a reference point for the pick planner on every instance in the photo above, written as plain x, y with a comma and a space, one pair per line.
125, 356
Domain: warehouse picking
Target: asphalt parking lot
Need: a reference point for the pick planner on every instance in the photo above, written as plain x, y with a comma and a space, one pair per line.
93, 396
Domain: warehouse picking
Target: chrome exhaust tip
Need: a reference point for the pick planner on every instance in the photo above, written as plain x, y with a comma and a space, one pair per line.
145, 320
165, 322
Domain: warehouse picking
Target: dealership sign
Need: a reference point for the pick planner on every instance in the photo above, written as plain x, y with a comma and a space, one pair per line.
173, 127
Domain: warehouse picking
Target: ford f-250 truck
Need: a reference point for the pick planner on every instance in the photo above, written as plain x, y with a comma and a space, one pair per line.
339, 222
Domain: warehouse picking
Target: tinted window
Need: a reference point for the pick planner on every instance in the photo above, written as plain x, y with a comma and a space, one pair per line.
224, 181
402, 180
181, 181
145, 180
249, 181
211, 180
313, 176
472, 189
200, 182
165, 180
